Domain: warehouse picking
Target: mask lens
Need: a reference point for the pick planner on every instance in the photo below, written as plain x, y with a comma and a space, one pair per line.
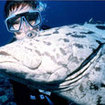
33, 18
13, 23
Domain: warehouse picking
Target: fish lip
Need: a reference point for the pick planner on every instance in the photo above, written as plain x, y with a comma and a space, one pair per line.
7, 62
10, 59
17, 62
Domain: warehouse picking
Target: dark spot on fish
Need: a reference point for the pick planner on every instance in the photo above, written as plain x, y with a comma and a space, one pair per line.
101, 27
28, 48
47, 43
73, 26
52, 57
55, 32
54, 49
75, 32
46, 34
66, 40
58, 28
97, 68
89, 32
49, 72
75, 59
62, 51
78, 36
93, 86
81, 88
103, 38
99, 100
103, 85
38, 52
57, 55
64, 65
99, 42
37, 40
4, 53
31, 44
78, 45
87, 75
68, 34
71, 58
81, 59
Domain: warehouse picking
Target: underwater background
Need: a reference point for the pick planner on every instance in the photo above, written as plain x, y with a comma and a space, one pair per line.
58, 13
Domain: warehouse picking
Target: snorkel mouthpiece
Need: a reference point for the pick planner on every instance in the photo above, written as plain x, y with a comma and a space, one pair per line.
32, 33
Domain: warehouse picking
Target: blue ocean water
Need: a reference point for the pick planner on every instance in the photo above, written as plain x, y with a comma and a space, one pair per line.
60, 13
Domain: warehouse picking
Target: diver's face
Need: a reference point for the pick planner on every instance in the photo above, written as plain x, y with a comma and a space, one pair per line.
25, 28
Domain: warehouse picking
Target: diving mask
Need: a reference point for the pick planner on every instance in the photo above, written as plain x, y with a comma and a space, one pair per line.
14, 22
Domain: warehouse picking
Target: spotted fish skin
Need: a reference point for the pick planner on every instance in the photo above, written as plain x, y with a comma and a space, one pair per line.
67, 60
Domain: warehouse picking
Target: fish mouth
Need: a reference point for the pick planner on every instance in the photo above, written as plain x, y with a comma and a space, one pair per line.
6, 57
13, 68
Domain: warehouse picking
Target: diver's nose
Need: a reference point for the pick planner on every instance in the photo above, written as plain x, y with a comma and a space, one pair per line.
25, 25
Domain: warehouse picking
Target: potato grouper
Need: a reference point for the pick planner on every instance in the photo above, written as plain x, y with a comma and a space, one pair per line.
67, 60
